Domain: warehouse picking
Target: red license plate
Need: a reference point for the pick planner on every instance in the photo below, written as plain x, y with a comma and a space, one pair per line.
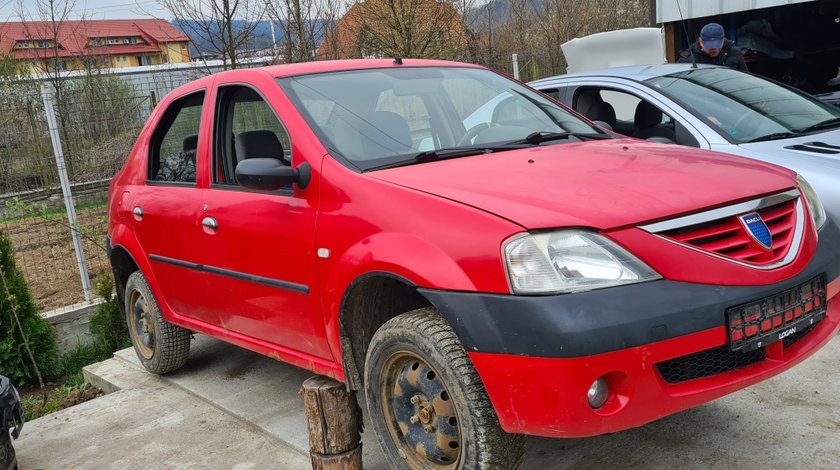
756, 324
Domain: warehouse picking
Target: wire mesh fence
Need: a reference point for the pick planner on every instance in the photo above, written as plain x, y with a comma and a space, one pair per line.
97, 119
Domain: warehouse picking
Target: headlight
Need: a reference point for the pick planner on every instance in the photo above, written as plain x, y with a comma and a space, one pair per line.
570, 261
815, 207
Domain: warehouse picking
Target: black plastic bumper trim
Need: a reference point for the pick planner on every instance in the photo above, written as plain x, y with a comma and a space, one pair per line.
586, 323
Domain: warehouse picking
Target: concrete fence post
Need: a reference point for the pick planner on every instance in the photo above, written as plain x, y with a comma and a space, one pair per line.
52, 122
515, 59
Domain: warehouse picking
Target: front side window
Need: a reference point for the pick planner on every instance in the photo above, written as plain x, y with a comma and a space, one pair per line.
246, 127
175, 141
394, 114
745, 107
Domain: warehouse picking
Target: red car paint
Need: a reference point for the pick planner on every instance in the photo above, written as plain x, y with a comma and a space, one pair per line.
420, 223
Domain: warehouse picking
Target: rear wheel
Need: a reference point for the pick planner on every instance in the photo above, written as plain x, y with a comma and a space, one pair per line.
427, 403
161, 346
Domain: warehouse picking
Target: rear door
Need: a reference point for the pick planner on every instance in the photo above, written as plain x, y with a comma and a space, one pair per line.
166, 208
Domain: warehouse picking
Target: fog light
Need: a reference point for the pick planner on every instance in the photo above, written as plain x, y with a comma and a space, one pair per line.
598, 393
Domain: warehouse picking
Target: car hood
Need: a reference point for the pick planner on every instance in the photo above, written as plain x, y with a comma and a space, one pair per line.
814, 156
603, 184
808, 149
637, 46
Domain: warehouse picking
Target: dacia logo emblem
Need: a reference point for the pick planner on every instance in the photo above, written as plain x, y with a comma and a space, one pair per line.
757, 229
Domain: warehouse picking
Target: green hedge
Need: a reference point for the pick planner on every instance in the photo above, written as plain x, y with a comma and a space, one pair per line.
15, 297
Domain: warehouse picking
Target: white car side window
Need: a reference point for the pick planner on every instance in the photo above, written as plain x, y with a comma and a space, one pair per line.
623, 103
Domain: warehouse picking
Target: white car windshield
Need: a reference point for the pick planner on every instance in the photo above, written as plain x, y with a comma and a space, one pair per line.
374, 118
744, 107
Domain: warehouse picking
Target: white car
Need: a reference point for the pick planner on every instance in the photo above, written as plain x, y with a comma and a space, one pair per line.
713, 108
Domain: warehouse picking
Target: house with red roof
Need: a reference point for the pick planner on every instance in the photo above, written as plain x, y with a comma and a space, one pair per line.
40, 46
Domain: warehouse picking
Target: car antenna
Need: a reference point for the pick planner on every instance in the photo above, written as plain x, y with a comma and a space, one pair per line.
398, 60
685, 31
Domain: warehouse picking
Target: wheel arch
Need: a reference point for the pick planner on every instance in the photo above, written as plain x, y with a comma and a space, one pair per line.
371, 300
122, 266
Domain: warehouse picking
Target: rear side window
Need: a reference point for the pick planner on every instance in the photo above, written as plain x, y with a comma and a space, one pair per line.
175, 141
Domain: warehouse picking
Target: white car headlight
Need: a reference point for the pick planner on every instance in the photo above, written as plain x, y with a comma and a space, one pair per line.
815, 207
570, 261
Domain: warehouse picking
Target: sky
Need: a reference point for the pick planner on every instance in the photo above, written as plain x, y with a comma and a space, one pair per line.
90, 9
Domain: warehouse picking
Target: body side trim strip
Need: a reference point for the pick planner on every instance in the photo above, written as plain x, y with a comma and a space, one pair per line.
292, 286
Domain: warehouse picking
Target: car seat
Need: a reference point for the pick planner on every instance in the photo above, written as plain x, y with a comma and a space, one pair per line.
190, 143
648, 122
586, 99
391, 134
377, 134
602, 111
258, 144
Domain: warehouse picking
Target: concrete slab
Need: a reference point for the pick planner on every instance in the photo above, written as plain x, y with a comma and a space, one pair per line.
790, 421
255, 388
149, 424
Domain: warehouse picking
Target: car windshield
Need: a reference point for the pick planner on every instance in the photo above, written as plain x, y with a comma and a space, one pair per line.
376, 118
744, 107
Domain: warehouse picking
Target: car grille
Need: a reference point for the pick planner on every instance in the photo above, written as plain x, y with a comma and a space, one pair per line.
716, 360
728, 237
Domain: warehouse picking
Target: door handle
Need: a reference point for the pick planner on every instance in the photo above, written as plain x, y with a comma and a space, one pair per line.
138, 212
210, 222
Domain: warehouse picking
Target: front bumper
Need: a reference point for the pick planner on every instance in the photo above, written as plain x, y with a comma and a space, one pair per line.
538, 356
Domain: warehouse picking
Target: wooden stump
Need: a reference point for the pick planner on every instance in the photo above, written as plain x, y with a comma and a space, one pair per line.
335, 424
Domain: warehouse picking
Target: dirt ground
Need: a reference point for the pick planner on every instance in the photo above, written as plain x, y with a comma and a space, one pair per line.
45, 254
37, 402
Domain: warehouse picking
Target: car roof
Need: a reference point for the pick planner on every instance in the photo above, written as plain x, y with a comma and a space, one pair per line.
304, 68
638, 73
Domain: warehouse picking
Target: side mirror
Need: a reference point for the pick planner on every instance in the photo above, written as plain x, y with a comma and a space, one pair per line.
270, 174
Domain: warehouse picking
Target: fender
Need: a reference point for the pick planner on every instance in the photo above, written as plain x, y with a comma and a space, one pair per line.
402, 255
123, 237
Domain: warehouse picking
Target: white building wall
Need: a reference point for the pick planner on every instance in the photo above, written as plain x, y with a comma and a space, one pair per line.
667, 11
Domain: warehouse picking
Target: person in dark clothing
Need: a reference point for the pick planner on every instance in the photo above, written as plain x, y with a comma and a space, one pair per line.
713, 48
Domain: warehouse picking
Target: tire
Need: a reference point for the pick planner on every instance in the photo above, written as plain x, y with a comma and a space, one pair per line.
426, 402
161, 346
7, 451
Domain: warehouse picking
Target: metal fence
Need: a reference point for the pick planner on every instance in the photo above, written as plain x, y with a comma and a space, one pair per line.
61, 141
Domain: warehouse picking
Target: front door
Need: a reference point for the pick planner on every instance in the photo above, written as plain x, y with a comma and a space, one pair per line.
259, 246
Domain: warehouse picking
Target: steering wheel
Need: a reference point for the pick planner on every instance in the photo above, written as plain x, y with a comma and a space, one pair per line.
472, 132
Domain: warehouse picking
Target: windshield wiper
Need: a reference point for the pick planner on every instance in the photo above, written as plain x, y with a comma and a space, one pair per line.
827, 124
775, 136
446, 154
536, 138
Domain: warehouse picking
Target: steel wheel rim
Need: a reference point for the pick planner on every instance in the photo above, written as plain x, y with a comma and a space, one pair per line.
418, 409
141, 325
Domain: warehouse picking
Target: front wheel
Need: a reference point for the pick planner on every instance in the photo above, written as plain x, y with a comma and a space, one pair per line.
161, 346
427, 403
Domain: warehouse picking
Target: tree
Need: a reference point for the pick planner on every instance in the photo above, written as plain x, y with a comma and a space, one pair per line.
226, 26
405, 28
303, 23
28, 349
49, 25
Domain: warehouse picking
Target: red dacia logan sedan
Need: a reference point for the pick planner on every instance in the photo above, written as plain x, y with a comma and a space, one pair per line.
480, 261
